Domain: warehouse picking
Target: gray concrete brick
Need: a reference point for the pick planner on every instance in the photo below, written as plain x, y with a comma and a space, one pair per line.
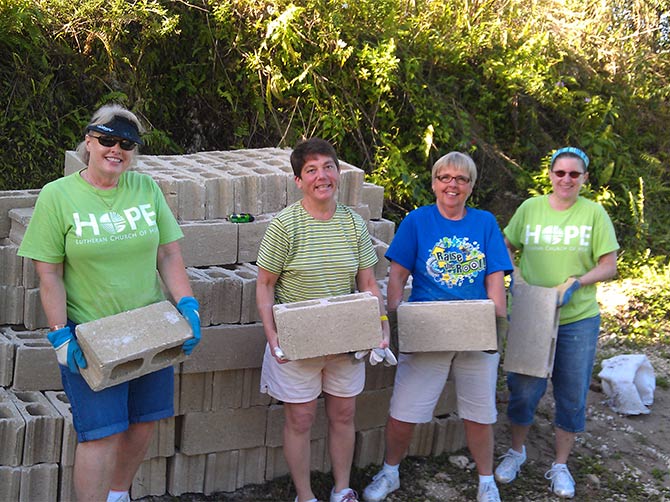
449, 435
72, 163
326, 326
250, 236
226, 295
202, 285
195, 393
35, 363
379, 376
276, 465
66, 484
39, 482
10, 483
230, 470
191, 196
20, 218
203, 432
351, 184
150, 479
33, 312
382, 229
59, 400
44, 427
430, 326
373, 196
125, 346
227, 347
363, 211
210, 242
248, 275
30, 278
382, 265
446, 403
185, 473
169, 187
12, 300
422, 440
12, 432
274, 435
531, 340
372, 408
238, 389
370, 447
162, 440
14, 199
11, 265
6, 360
272, 189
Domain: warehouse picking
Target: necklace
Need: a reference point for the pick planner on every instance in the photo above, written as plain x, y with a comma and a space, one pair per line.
96, 191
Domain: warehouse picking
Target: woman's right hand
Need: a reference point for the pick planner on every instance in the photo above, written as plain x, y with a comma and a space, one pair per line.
67, 349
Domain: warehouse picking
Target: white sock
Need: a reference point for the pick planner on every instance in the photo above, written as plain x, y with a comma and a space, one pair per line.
523, 451
485, 479
391, 469
341, 492
113, 495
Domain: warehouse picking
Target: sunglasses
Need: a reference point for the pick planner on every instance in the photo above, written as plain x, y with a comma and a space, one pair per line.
573, 174
110, 141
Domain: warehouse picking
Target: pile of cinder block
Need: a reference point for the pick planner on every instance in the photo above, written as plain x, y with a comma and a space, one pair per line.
225, 433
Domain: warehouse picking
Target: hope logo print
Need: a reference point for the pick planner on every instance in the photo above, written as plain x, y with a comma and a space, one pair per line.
454, 261
112, 223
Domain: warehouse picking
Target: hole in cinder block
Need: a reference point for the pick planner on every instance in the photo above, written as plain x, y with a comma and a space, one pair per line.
62, 397
37, 343
5, 412
337, 300
30, 336
126, 368
245, 275
26, 397
167, 355
37, 410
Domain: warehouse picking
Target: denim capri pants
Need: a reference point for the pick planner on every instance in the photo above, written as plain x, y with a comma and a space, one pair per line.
571, 377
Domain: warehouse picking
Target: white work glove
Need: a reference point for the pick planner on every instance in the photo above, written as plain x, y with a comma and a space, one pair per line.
377, 356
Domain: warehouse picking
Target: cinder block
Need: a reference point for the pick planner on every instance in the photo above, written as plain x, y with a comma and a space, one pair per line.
66, 484
379, 376
14, 199
382, 265
531, 340
226, 295
39, 482
125, 346
370, 447
227, 347
163, 439
382, 229
11, 304
446, 403
209, 242
195, 393
185, 473
373, 196
229, 470
449, 435
250, 236
274, 435
334, 325
59, 400
150, 479
6, 360
33, 313
203, 432
430, 326
191, 198
372, 408
12, 433
363, 211
351, 184
276, 465
10, 483
20, 218
422, 440
11, 264
35, 363
30, 278
237, 389
72, 163
202, 287
248, 276
44, 427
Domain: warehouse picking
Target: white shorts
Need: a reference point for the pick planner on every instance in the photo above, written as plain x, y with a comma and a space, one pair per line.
421, 376
302, 381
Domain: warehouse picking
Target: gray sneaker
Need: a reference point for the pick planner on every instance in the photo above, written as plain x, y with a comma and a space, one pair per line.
383, 483
510, 466
562, 482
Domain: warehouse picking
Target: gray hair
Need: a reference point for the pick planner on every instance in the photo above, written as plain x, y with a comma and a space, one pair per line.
459, 161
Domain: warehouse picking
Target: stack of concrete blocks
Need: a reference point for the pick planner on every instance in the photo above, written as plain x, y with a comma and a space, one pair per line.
225, 433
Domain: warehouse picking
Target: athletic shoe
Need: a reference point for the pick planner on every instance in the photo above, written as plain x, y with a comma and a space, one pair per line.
350, 496
383, 483
510, 466
488, 492
562, 483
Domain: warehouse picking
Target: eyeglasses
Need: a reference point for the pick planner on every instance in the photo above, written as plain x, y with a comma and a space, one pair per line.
446, 178
573, 174
110, 141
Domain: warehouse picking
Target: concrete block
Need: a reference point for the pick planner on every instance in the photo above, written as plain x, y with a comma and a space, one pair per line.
446, 403
30, 278
276, 465
238, 389
44, 427
206, 432
250, 236
191, 196
351, 184
210, 242
363, 211
449, 435
66, 484
334, 325
59, 400
12, 432
11, 265
531, 340
6, 360
248, 276
10, 483
370, 447
230, 470
185, 473
227, 347
14, 199
163, 439
220, 193
35, 363
33, 312
20, 218
125, 346
12, 304
274, 435
195, 393
382, 265
272, 190
422, 440
373, 196
226, 295
202, 287
169, 186
430, 326
372, 408
379, 376
382, 229
72, 163
39, 482
150, 479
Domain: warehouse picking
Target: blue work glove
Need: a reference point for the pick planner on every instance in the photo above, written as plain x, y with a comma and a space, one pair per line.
566, 290
188, 306
68, 351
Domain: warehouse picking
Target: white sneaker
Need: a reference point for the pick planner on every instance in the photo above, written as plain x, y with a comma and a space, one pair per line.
510, 466
383, 483
562, 482
349, 496
125, 497
488, 492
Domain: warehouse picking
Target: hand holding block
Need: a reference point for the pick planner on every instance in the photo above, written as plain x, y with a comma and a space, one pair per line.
125, 346
533, 328
447, 326
326, 326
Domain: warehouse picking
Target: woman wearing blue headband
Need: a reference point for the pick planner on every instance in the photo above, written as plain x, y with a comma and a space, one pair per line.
567, 242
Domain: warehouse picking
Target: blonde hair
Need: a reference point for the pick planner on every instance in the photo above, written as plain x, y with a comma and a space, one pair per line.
459, 161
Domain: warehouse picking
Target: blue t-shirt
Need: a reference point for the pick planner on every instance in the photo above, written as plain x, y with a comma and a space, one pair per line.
449, 259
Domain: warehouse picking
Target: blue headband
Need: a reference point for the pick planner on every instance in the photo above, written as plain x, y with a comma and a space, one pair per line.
573, 150
119, 126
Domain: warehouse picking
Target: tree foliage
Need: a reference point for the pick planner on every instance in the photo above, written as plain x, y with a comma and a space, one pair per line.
393, 83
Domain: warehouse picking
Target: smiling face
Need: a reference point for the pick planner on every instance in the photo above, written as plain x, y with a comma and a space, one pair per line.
451, 195
566, 188
319, 178
107, 162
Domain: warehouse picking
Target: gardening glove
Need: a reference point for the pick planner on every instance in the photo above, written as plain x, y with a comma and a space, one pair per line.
68, 351
566, 290
188, 307
377, 356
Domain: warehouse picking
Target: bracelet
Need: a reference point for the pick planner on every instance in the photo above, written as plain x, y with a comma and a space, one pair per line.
384, 317
56, 327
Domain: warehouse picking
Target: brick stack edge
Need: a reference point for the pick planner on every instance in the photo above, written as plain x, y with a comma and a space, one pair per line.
225, 434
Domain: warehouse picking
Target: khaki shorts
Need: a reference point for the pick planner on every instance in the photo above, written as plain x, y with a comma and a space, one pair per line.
302, 381
421, 376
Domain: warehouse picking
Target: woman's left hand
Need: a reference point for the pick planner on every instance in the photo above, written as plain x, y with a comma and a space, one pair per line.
188, 306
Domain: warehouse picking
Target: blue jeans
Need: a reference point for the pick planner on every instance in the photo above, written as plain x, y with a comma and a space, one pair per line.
575, 354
